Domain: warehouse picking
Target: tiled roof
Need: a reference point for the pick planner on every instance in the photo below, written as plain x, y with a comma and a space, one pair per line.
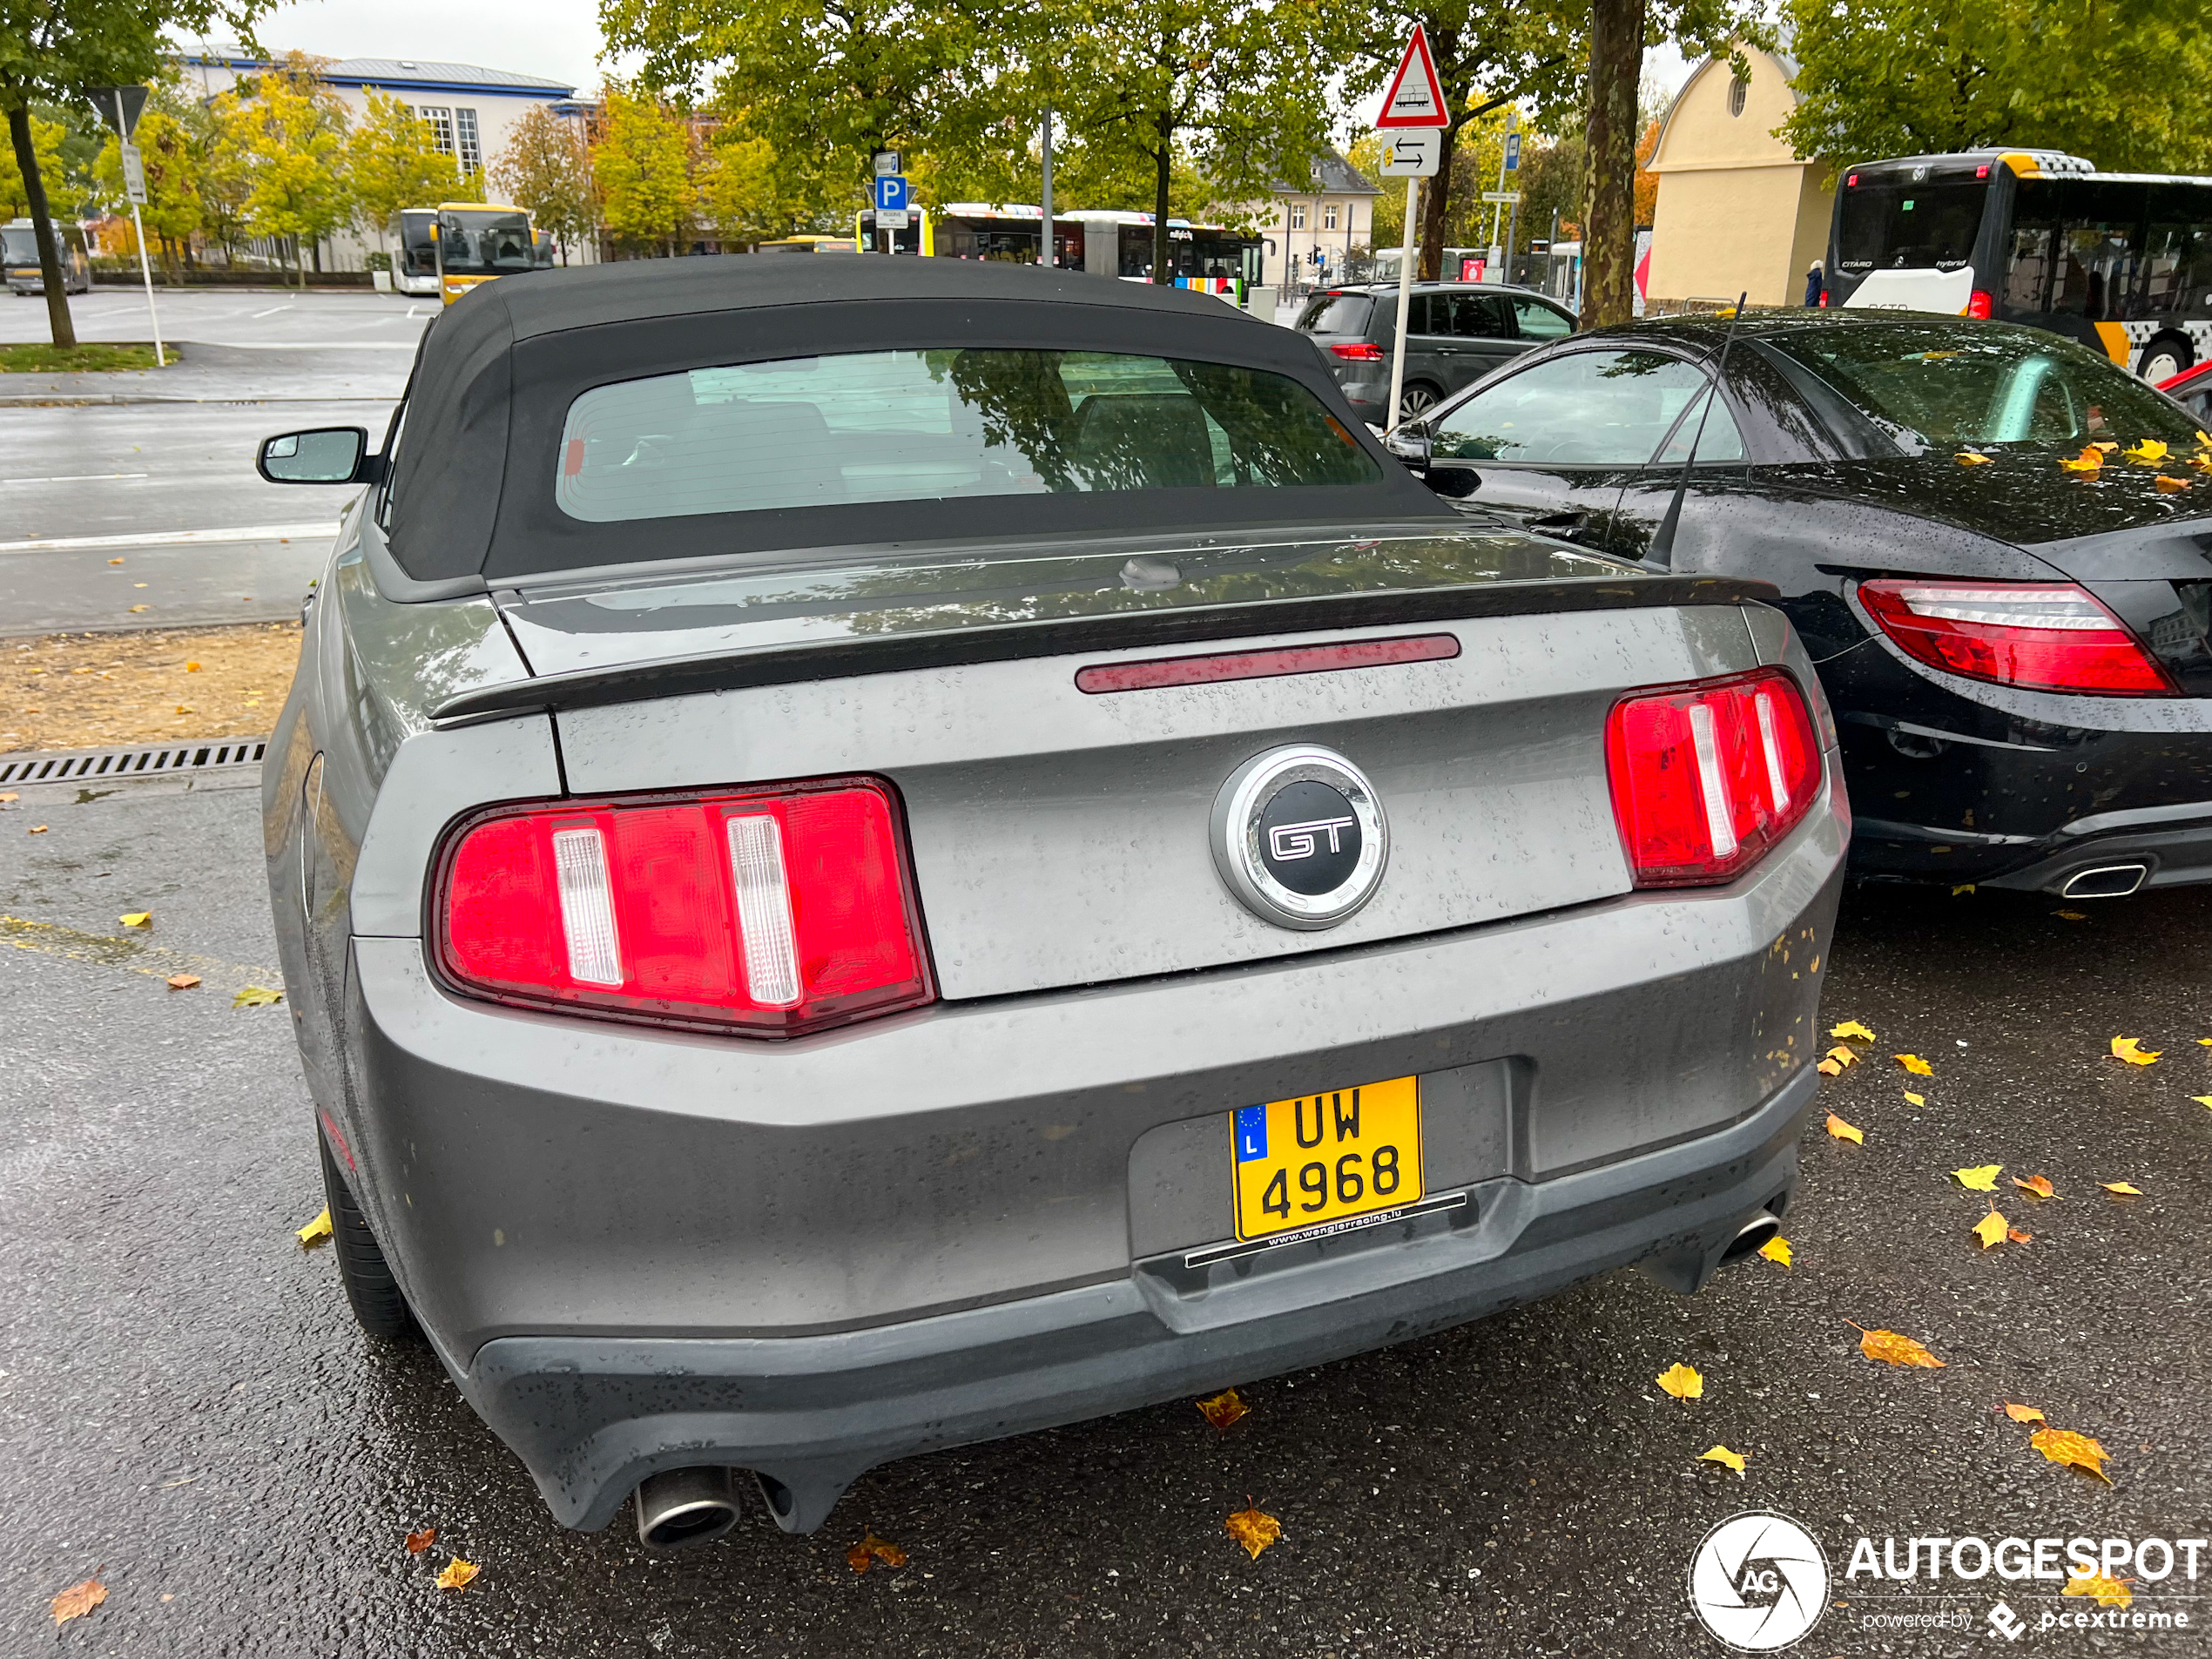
1332, 176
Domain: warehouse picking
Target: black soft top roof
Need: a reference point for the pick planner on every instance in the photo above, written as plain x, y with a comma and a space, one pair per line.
472, 490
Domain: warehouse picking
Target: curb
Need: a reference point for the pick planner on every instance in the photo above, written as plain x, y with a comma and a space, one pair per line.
83, 399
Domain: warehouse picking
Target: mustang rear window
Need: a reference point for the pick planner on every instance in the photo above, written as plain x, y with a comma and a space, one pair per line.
891, 425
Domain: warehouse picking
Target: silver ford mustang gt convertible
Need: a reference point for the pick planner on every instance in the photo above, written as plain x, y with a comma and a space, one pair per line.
874, 854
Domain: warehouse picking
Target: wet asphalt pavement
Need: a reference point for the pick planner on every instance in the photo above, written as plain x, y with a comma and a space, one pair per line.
187, 1409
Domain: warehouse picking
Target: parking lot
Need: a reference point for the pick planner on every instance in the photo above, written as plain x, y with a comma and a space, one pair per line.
187, 1410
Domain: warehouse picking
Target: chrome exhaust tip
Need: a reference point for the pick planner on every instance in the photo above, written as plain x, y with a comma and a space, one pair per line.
1751, 1237
2105, 882
678, 1508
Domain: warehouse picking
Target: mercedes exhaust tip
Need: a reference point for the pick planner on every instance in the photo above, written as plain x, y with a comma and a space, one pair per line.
2105, 882
1752, 1237
679, 1508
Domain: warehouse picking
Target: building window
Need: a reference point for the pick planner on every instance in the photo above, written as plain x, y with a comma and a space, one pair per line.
1737, 86
1297, 216
440, 122
464, 132
1329, 217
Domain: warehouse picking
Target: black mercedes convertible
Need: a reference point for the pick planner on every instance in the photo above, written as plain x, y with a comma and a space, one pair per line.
1997, 546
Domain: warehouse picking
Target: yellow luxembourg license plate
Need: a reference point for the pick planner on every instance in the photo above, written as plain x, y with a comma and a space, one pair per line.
1319, 1158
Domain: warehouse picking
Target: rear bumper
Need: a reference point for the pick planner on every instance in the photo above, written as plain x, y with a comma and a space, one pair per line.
591, 1417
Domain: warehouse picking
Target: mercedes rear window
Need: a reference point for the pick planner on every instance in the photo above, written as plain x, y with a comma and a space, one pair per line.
932, 425
1890, 225
1938, 384
1336, 313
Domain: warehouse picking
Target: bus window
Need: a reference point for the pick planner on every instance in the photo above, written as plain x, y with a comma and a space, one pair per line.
2177, 253
1897, 226
2029, 258
2096, 252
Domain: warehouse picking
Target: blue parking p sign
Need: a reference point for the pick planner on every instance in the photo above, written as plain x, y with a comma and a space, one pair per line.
891, 195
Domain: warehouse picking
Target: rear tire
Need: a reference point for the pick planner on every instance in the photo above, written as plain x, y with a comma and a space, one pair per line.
1418, 399
379, 1307
2165, 357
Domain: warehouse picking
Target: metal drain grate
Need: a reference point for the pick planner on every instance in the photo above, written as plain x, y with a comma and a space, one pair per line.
131, 763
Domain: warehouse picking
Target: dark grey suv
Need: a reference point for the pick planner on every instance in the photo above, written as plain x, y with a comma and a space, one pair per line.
1455, 334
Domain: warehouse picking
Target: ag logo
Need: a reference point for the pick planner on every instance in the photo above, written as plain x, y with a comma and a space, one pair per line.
1759, 1582
1299, 837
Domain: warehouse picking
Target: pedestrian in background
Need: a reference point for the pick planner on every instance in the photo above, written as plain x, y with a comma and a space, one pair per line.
1816, 280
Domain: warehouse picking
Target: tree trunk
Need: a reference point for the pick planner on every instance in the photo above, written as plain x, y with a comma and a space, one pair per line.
1435, 203
1161, 271
300, 263
1609, 164
49, 252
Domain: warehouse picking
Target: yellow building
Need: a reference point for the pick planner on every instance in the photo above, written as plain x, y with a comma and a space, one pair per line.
1738, 212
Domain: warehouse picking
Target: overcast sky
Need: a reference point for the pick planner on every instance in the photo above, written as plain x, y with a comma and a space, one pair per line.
558, 38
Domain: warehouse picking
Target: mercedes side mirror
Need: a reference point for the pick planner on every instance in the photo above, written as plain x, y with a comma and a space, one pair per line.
1410, 444
336, 455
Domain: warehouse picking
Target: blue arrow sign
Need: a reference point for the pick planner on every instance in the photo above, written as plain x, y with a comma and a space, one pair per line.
1513, 152
891, 194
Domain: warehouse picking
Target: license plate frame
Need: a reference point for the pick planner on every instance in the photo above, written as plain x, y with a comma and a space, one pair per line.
1271, 1157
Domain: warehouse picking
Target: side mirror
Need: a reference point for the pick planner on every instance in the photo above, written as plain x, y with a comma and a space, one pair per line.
1454, 480
336, 455
1410, 444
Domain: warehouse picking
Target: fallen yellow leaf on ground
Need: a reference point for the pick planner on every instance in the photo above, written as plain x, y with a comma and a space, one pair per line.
1682, 1381
2165, 484
1777, 1249
457, 1574
2090, 461
1913, 1063
38, 829
2203, 1100
2125, 1188
1990, 1229
1721, 1455
872, 1549
79, 1599
2039, 1184
2071, 915
182, 981
2064, 1445
2133, 1052
2024, 1413
1853, 1029
1911, 1099
419, 1542
1964, 886
2149, 452
315, 1231
1224, 1408
1971, 458
1254, 1530
1894, 1350
1981, 1178
1829, 1068
1843, 1131
2017, 1236
137, 918
256, 996
2109, 1592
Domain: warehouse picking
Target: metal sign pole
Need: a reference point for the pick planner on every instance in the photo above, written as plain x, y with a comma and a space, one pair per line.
1045, 248
138, 229
1405, 301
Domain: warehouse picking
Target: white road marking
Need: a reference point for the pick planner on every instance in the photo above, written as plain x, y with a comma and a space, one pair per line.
307, 345
179, 538
273, 310
77, 478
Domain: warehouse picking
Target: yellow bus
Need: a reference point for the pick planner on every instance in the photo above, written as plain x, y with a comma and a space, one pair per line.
478, 241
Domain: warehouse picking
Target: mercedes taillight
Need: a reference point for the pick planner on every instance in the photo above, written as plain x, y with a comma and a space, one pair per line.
2046, 636
1707, 777
766, 912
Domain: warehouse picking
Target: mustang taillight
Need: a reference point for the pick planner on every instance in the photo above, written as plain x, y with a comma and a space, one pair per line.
1707, 777
2046, 635
768, 912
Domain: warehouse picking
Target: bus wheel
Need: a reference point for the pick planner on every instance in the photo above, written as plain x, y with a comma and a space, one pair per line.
2165, 357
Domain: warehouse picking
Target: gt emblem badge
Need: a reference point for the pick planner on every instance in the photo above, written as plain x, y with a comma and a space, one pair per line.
1298, 836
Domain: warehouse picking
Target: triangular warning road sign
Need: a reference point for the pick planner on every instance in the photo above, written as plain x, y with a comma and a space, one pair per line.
1414, 98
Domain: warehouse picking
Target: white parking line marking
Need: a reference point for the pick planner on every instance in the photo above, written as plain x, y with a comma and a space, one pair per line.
273, 310
179, 538
77, 478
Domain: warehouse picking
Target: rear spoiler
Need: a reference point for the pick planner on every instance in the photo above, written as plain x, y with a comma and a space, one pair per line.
957, 647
